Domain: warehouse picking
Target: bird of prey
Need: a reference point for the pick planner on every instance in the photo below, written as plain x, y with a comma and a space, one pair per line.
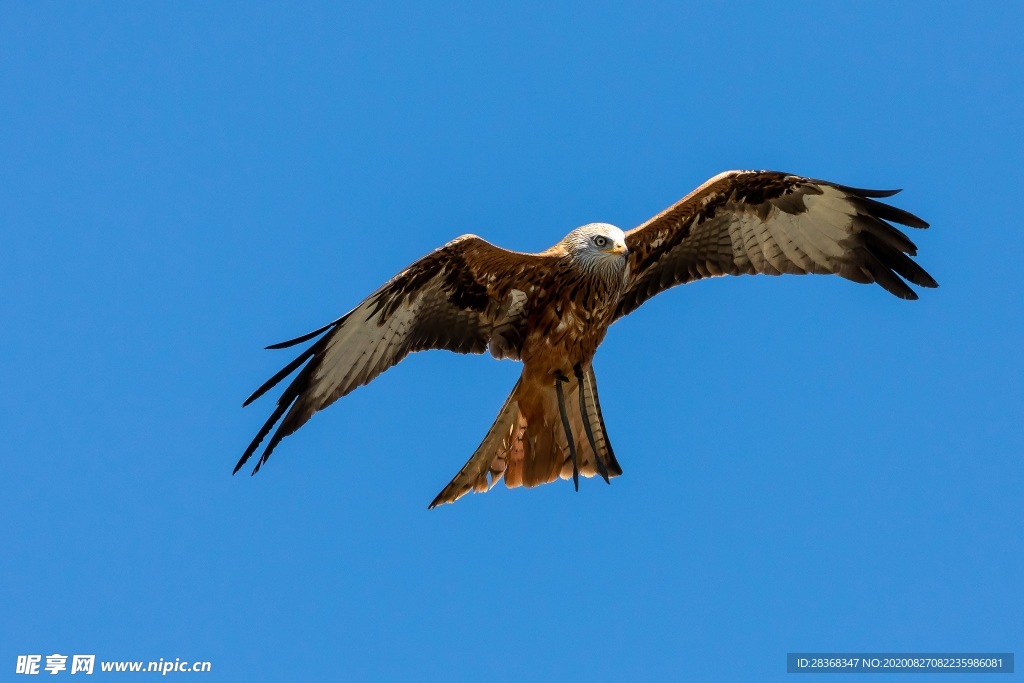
551, 310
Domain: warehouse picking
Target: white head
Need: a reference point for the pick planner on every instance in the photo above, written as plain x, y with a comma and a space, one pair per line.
598, 247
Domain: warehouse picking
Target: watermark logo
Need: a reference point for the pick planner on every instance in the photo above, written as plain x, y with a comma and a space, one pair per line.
56, 663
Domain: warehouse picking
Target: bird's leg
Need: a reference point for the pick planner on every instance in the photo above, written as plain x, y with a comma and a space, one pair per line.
559, 379
601, 469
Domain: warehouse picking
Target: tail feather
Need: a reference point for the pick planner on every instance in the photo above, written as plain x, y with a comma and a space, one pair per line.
490, 457
527, 446
596, 420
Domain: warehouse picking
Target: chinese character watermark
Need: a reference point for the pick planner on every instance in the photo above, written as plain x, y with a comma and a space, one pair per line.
83, 664
28, 664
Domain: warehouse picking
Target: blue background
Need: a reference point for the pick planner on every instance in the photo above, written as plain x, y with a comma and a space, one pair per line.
810, 465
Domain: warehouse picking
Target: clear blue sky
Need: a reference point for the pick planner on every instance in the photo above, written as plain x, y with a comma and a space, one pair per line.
810, 465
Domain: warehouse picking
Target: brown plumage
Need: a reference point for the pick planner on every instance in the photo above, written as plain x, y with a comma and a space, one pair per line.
551, 310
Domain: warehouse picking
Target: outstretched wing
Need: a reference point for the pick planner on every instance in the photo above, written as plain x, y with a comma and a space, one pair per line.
452, 298
746, 222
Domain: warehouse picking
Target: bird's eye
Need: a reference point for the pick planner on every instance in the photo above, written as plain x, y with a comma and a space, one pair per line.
601, 241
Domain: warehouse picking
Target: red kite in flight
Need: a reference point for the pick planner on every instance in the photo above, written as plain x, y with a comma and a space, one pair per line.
551, 310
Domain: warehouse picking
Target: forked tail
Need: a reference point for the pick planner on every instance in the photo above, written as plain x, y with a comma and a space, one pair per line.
527, 445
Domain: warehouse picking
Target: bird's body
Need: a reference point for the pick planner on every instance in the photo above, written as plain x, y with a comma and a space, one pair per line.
552, 310
571, 308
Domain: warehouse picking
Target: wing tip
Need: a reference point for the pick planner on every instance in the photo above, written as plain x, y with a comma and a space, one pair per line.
444, 498
279, 434
305, 337
281, 374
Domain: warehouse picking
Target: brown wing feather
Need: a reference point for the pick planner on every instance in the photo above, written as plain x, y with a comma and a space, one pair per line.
747, 222
450, 299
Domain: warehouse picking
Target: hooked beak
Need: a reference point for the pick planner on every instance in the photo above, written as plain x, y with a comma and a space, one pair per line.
619, 248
